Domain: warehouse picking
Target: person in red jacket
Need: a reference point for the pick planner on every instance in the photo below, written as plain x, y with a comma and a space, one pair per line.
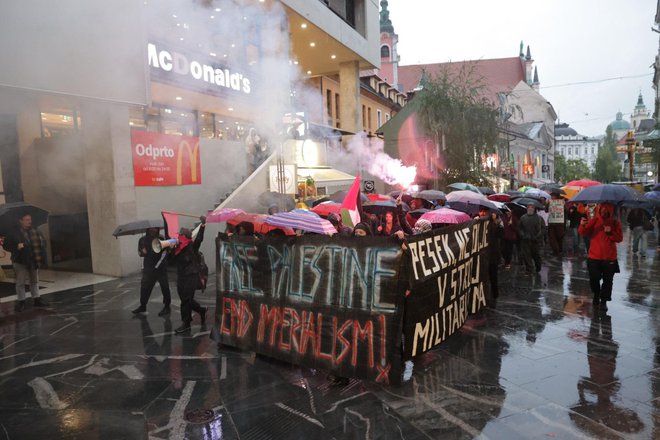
605, 232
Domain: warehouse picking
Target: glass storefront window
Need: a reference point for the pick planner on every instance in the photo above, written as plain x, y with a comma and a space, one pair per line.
59, 121
230, 129
137, 118
206, 125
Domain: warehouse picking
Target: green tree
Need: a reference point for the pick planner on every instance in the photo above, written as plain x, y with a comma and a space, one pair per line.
454, 111
607, 165
572, 169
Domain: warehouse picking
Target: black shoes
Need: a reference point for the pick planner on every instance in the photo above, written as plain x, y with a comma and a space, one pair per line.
183, 328
165, 311
19, 306
202, 315
141, 309
38, 302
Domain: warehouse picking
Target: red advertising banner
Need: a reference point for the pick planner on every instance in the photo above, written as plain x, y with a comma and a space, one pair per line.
165, 159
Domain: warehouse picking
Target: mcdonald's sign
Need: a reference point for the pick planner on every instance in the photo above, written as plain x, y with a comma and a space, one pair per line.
165, 159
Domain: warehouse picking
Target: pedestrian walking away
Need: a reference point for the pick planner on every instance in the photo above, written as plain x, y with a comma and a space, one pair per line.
639, 222
605, 232
28, 254
188, 263
531, 228
154, 269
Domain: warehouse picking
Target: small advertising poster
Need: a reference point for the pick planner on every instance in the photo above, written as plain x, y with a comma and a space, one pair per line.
556, 212
165, 159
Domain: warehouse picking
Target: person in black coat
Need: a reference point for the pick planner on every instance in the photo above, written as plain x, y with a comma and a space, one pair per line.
154, 269
186, 257
495, 235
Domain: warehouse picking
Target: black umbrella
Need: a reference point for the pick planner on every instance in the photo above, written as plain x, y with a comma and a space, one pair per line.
472, 208
417, 213
10, 213
524, 201
317, 201
555, 190
137, 227
548, 187
514, 207
283, 201
607, 193
379, 207
432, 195
513, 193
406, 197
486, 191
339, 196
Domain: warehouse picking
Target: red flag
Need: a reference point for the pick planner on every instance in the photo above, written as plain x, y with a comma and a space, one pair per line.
350, 207
171, 220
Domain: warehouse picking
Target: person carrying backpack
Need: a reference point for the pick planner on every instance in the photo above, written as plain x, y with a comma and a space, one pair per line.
188, 263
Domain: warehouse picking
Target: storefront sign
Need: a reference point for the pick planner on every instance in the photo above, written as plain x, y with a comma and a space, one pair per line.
165, 159
287, 179
181, 69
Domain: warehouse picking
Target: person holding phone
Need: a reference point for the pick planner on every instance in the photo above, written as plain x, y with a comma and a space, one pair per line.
605, 232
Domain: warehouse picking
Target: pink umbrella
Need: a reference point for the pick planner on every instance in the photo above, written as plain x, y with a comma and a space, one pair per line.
223, 214
303, 221
445, 215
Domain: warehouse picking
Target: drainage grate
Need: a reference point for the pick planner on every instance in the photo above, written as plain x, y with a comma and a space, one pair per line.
199, 416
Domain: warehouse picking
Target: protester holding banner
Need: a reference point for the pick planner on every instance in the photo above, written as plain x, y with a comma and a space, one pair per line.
186, 256
531, 229
495, 234
605, 232
556, 224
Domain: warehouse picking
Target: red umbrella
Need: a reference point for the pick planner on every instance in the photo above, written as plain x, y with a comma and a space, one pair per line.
584, 183
500, 197
325, 208
378, 197
445, 215
259, 222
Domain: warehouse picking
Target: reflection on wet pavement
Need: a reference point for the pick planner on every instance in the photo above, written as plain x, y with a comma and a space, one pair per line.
544, 364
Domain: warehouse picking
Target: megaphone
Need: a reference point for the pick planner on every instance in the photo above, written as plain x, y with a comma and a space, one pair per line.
158, 245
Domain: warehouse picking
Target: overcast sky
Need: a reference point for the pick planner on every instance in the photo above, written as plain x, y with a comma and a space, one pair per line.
571, 41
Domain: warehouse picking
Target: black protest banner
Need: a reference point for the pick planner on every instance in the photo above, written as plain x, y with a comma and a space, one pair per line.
448, 279
333, 303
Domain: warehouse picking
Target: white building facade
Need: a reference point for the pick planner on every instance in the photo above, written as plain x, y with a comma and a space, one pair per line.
574, 146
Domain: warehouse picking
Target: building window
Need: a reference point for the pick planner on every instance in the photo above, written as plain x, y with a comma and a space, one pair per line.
368, 118
206, 123
569, 151
328, 104
364, 117
59, 121
385, 51
137, 118
387, 117
337, 117
592, 151
379, 119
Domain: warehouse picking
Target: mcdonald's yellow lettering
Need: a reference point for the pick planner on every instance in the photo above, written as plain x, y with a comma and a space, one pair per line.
192, 154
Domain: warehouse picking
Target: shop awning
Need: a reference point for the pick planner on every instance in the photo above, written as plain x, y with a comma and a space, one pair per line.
325, 175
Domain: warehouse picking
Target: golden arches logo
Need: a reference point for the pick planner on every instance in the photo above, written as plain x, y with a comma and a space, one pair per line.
192, 155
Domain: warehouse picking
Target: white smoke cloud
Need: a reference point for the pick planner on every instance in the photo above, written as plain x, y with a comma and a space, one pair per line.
370, 154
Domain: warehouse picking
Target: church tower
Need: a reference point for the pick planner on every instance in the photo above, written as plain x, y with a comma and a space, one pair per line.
640, 113
389, 57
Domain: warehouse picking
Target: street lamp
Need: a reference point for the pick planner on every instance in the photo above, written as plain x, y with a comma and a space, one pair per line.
630, 149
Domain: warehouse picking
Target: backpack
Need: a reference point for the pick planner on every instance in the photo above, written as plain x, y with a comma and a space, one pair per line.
203, 272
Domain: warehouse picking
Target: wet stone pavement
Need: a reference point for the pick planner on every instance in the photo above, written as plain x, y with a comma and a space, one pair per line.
543, 365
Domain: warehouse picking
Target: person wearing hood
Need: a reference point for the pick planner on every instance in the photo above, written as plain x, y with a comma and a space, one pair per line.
605, 232
530, 231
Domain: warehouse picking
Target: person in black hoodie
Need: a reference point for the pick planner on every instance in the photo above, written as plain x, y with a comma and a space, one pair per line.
187, 259
495, 235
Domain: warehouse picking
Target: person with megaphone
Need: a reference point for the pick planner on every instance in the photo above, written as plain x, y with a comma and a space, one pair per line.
154, 269
185, 253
